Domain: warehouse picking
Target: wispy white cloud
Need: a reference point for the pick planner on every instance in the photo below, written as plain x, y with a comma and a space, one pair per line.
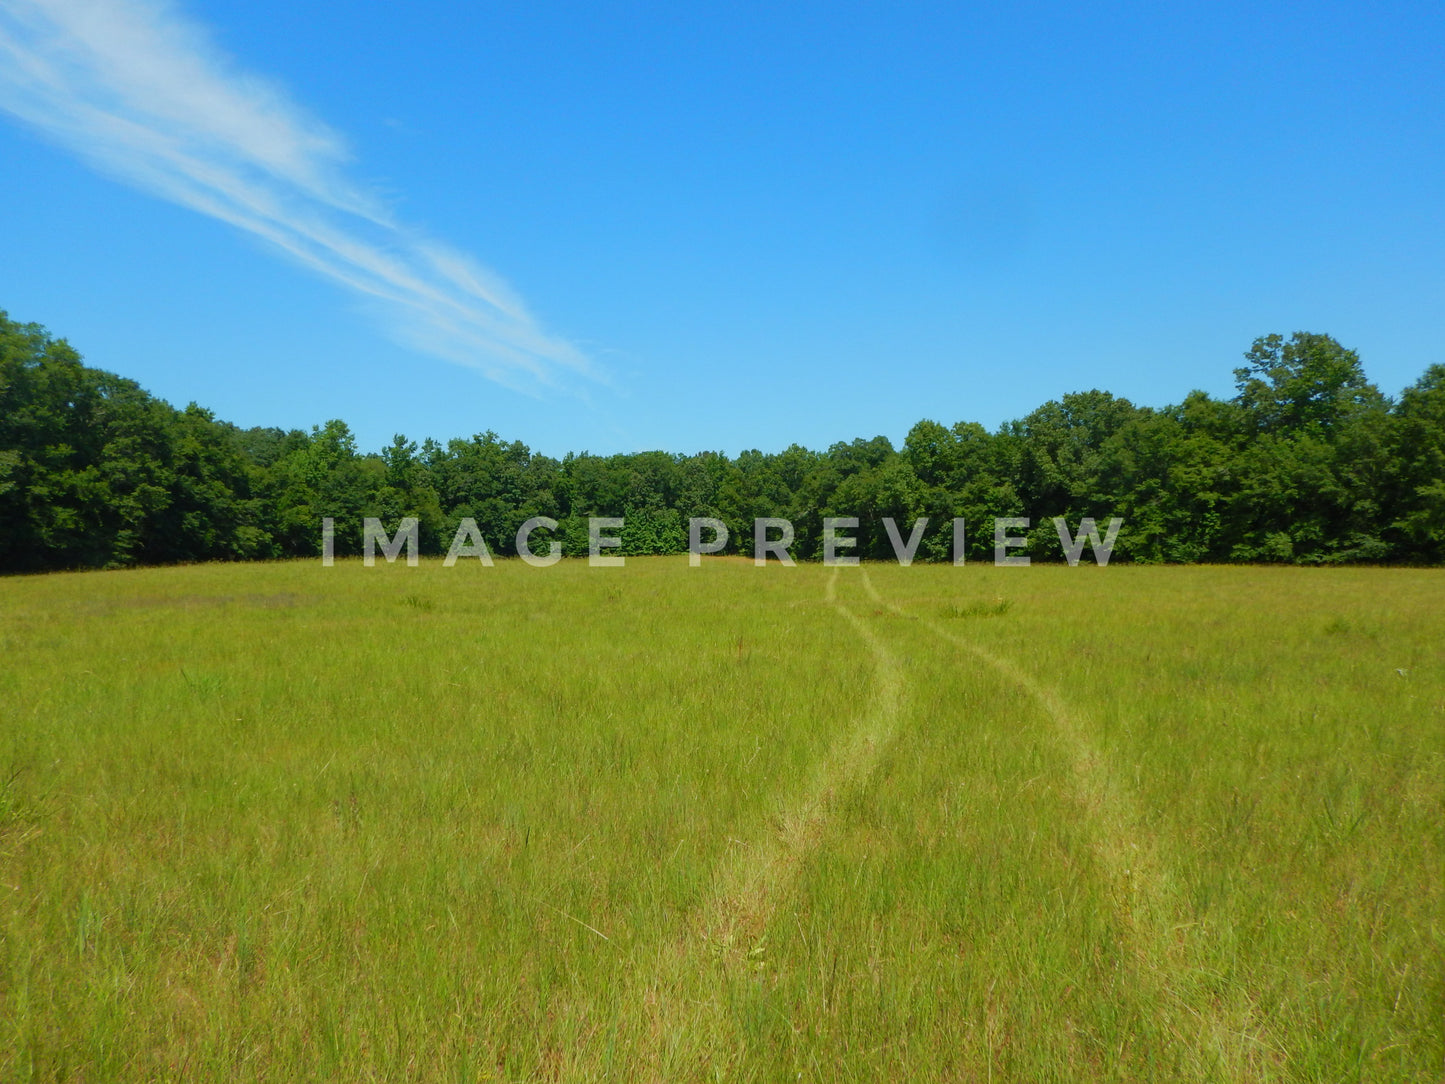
138, 90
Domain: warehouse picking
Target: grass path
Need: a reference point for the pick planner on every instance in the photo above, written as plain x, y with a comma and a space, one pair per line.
727, 933
1212, 1018
749, 886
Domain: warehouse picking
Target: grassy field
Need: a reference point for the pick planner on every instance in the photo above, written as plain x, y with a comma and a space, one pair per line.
283, 822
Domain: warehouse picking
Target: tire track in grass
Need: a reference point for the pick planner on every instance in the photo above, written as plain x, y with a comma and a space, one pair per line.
749, 886
723, 936
1224, 1038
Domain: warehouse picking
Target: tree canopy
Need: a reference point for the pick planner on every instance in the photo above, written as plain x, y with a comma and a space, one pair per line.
1308, 463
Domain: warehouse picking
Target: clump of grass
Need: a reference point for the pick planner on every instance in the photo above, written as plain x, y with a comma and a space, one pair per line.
9, 804
995, 607
417, 602
1340, 626
19, 816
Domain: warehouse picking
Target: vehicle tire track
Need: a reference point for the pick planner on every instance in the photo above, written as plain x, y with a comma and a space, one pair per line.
727, 928
749, 886
1225, 1039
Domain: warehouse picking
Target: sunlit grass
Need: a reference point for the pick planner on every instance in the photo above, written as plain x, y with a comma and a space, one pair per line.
279, 821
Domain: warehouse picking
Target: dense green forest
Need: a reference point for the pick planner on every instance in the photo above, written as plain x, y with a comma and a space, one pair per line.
1308, 463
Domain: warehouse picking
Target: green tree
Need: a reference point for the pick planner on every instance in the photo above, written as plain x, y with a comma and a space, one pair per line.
1417, 441
1308, 384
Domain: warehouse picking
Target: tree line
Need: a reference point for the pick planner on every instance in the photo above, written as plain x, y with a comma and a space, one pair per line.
1308, 463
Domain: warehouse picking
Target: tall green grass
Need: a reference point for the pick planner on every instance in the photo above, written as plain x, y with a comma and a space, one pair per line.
285, 822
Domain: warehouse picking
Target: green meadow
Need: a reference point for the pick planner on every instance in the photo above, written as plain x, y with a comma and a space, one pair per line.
285, 822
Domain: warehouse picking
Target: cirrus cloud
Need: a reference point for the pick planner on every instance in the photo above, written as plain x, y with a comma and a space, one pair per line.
137, 90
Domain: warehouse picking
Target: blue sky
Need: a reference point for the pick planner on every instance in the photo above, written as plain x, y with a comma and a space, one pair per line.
616, 227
